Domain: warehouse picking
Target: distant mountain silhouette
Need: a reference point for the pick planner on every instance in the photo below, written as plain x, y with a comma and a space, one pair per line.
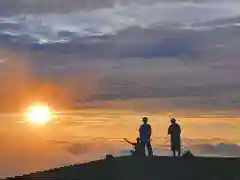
149, 168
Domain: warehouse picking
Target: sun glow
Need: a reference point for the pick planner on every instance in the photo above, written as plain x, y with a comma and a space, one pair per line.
39, 114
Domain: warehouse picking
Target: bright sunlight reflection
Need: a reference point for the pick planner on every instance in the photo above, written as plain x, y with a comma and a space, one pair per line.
39, 114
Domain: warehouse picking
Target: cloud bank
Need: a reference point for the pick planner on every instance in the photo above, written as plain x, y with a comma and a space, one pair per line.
182, 53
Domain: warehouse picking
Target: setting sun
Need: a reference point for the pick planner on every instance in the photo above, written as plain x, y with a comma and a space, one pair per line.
38, 114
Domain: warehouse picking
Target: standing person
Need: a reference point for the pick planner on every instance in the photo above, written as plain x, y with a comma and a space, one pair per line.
145, 132
174, 131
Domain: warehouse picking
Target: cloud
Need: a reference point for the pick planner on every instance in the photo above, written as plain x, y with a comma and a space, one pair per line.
218, 150
77, 149
199, 149
93, 150
46, 27
169, 69
126, 53
117, 38
202, 147
10, 7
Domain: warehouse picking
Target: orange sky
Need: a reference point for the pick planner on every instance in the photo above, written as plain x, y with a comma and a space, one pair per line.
74, 137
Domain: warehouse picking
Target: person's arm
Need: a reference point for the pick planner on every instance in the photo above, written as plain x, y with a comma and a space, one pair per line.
169, 130
150, 132
129, 142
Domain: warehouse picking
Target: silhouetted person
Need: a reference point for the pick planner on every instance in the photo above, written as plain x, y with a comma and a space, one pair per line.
175, 131
145, 132
138, 148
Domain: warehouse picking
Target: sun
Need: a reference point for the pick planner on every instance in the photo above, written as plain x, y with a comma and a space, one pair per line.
39, 114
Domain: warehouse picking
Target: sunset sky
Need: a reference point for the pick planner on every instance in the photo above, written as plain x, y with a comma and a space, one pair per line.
104, 64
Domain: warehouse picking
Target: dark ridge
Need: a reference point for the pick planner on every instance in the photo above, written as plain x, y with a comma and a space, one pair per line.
149, 168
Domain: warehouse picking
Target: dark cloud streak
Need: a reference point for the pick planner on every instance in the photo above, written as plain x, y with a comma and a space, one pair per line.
15, 7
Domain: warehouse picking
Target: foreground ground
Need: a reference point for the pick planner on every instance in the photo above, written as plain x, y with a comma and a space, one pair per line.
155, 168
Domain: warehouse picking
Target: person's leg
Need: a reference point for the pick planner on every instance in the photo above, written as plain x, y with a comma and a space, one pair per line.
179, 152
149, 149
174, 153
143, 148
179, 146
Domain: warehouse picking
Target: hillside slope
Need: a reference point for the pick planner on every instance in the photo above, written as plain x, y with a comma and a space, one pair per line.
154, 168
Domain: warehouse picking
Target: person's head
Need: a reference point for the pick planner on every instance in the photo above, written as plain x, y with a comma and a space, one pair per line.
138, 140
145, 120
173, 120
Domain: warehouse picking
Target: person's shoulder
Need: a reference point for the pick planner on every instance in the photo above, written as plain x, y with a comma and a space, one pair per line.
148, 125
178, 126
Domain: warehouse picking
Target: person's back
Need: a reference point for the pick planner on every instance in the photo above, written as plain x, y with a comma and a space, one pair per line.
175, 131
139, 149
144, 132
